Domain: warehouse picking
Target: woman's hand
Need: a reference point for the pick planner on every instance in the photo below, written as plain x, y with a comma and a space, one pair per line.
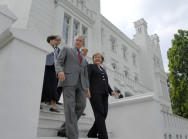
113, 94
61, 76
88, 93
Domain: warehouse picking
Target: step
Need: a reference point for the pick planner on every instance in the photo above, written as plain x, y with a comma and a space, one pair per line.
51, 131
83, 123
45, 114
47, 107
66, 138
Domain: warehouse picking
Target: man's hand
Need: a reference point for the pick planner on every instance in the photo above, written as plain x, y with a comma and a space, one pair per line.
88, 94
61, 76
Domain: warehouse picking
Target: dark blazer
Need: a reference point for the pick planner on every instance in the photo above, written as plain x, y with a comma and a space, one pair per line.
121, 96
98, 80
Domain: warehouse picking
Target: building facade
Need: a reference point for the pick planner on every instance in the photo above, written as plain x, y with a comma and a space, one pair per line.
136, 65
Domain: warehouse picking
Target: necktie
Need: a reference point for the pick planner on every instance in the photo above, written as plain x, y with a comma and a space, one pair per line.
79, 56
55, 53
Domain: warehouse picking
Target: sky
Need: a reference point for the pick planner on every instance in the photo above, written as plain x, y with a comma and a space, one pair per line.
163, 17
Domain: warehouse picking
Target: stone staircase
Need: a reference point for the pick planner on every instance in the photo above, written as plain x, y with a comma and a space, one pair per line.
50, 122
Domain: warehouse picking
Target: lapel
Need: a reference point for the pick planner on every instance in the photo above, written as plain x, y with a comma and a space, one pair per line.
98, 70
75, 55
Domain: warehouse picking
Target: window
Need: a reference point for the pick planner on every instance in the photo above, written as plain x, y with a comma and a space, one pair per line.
125, 53
136, 79
75, 31
177, 137
134, 59
165, 136
113, 44
126, 73
164, 89
66, 29
139, 30
114, 66
170, 137
156, 61
102, 36
84, 32
81, 1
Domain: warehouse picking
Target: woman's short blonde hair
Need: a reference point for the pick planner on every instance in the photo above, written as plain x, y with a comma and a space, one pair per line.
96, 54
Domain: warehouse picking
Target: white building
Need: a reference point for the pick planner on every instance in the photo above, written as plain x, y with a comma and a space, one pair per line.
134, 66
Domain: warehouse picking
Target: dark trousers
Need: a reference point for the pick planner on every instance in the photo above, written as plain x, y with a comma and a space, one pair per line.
99, 105
59, 91
74, 105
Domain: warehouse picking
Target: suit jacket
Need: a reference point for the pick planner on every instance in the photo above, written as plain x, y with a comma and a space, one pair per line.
50, 58
68, 62
98, 80
120, 96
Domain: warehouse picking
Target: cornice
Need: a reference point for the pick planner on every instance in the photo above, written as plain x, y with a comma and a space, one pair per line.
77, 9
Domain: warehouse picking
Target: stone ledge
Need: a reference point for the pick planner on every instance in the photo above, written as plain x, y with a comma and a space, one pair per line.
134, 100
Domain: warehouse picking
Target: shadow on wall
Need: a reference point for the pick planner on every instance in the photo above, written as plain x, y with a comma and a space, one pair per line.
128, 94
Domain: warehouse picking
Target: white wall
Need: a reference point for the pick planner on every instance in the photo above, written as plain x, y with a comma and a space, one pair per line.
41, 16
22, 59
136, 117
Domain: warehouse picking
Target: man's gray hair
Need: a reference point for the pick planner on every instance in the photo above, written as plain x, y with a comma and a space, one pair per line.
82, 36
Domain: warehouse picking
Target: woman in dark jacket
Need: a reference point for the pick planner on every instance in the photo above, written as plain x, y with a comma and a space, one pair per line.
49, 91
100, 90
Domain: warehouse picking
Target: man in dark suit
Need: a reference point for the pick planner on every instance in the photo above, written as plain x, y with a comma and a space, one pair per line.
71, 68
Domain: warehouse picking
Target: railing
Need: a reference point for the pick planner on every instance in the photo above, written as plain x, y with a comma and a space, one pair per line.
125, 80
171, 121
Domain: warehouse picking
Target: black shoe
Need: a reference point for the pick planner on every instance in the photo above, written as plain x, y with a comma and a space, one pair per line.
61, 134
92, 136
58, 103
54, 110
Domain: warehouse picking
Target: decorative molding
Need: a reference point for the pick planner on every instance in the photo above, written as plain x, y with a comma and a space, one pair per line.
77, 8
